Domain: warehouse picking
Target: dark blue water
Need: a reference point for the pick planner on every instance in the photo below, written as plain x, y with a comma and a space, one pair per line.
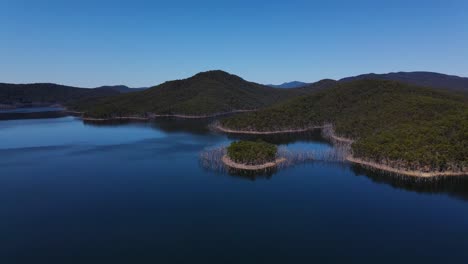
135, 193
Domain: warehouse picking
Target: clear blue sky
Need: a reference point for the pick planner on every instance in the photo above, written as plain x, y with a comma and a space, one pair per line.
142, 43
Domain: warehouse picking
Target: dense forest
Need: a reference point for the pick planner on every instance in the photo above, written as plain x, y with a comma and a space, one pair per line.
252, 152
206, 93
426, 79
49, 93
392, 123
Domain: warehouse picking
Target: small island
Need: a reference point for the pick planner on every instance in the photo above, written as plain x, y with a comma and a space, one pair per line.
252, 155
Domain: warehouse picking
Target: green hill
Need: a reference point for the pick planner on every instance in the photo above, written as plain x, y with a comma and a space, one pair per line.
203, 94
48, 94
421, 78
392, 123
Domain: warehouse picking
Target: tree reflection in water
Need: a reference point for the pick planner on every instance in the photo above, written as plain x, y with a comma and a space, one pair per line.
455, 186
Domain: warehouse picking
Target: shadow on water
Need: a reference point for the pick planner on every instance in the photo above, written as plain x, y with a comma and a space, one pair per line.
202, 127
164, 124
177, 125
453, 186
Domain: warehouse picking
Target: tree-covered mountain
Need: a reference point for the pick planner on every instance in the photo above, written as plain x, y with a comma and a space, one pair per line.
392, 123
426, 79
18, 95
205, 93
317, 86
47, 94
419, 78
293, 84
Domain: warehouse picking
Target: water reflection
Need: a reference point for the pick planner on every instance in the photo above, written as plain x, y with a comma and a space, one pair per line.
165, 124
265, 174
206, 137
85, 190
203, 127
453, 186
243, 174
177, 125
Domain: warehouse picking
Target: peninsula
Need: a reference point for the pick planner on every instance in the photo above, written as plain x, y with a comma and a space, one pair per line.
390, 125
389, 121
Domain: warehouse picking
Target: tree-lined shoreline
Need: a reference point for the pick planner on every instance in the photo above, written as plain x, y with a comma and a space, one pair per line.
341, 140
405, 127
154, 116
385, 123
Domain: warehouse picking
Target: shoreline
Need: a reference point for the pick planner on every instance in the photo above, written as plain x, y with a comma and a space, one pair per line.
350, 158
232, 164
411, 173
342, 139
73, 112
115, 118
154, 116
231, 131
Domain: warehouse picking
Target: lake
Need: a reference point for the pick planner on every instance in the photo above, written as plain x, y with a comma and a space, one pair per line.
72, 192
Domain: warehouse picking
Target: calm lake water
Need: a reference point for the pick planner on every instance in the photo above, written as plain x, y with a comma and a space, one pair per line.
135, 193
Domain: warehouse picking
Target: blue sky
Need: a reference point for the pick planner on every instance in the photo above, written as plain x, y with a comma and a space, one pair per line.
142, 43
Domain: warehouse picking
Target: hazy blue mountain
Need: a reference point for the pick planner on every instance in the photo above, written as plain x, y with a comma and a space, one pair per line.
121, 88
293, 84
427, 79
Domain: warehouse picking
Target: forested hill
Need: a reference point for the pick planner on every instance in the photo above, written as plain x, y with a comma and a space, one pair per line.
317, 86
205, 93
426, 79
393, 123
50, 93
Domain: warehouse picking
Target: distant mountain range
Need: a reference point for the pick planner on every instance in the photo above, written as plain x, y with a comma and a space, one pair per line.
37, 94
47, 94
293, 84
420, 78
204, 93
426, 79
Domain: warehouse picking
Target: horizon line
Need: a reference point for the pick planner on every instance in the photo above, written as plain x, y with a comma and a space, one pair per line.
266, 84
